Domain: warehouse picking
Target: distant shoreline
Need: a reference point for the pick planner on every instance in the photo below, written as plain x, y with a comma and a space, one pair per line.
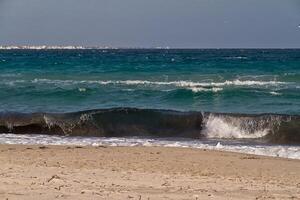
75, 47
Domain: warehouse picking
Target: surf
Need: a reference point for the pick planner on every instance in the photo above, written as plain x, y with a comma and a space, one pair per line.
121, 122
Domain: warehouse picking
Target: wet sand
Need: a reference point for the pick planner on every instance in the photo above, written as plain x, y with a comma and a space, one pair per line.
70, 172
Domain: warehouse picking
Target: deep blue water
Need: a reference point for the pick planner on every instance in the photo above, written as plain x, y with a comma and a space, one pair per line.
234, 81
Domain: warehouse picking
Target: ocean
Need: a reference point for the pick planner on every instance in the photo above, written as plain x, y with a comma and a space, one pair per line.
243, 100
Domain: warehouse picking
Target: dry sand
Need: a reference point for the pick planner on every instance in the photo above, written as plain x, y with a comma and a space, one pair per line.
66, 172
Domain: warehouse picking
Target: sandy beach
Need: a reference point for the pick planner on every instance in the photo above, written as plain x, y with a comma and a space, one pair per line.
73, 172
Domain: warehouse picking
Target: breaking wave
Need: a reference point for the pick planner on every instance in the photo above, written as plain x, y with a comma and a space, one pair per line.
202, 89
127, 85
120, 122
195, 87
226, 126
174, 83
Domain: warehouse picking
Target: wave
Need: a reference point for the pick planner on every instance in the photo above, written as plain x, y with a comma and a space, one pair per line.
237, 58
201, 89
10, 75
181, 83
120, 122
189, 83
164, 86
275, 93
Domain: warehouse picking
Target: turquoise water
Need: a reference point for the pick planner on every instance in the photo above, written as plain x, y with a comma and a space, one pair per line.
230, 81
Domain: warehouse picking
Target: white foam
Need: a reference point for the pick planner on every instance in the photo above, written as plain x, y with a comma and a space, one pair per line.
82, 89
230, 127
275, 93
201, 89
292, 152
237, 58
182, 83
195, 84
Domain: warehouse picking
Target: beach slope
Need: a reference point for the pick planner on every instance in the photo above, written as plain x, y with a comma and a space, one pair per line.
74, 172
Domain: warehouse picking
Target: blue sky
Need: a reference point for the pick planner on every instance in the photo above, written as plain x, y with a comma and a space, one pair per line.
152, 23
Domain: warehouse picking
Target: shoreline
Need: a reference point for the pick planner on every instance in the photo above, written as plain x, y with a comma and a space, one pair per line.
242, 146
104, 172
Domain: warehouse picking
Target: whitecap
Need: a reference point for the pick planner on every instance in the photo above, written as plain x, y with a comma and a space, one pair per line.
201, 89
275, 93
82, 89
192, 85
237, 58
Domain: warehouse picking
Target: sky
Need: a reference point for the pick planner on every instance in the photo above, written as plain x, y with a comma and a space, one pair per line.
152, 23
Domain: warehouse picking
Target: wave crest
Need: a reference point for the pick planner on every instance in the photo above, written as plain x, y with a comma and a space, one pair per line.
119, 122
223, 126
182, 83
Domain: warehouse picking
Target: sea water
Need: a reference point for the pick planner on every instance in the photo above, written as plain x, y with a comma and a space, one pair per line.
238, 81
